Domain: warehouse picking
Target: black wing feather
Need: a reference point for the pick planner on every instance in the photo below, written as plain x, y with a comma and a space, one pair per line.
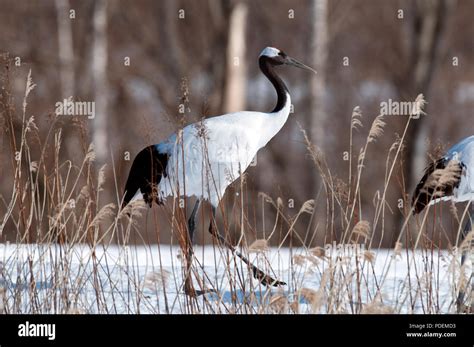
147, 169
423, 194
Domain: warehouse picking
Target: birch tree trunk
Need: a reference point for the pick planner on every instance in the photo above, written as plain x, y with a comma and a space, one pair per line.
99, 73
65, 49
67, 79
319, 53
235, 83
317, 115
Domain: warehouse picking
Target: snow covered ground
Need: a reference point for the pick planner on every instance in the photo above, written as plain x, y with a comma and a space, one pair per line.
149, 279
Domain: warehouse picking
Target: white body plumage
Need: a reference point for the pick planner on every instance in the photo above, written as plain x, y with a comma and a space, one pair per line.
206, 157
462, 152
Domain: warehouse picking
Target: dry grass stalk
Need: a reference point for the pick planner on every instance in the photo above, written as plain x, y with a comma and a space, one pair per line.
319, 252
377, 307
468, 242
341, 189
299, 259
90, 155
29, 87
315, 298
360, 160
315, 152
101, 177
443, 178
313, 260
134, 210
280, 203
108, 211
396, 145
295, 306
259, 246
76, 310
308, 207
397, 251
84, 194
369, 256
362, 228
2, 299
376, 129
419, 105
356, 118
156, 280
463, 281
454, 210
279, 303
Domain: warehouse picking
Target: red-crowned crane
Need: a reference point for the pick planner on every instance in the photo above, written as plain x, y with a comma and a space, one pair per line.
204, 158
450, 178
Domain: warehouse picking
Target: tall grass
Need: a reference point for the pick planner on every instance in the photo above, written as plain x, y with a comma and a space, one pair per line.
72, 253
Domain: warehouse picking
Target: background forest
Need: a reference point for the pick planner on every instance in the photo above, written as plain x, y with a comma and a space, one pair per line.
153, 66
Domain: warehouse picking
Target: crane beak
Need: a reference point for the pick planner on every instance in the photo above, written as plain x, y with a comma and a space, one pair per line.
294, 62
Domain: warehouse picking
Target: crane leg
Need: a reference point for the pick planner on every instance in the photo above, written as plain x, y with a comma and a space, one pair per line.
192, 222
188, 287
265, 279
463, 306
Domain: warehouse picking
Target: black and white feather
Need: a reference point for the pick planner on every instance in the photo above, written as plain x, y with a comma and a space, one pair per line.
459, 187
204, 158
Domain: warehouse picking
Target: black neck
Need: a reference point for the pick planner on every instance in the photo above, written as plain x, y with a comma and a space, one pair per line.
268, 70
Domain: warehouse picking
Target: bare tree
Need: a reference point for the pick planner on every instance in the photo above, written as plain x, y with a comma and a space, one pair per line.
99, 74
427, 27
67, 78
65, 48
234, 93
319, 53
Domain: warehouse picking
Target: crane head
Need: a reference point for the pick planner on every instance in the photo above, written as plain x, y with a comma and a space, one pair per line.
278, 57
